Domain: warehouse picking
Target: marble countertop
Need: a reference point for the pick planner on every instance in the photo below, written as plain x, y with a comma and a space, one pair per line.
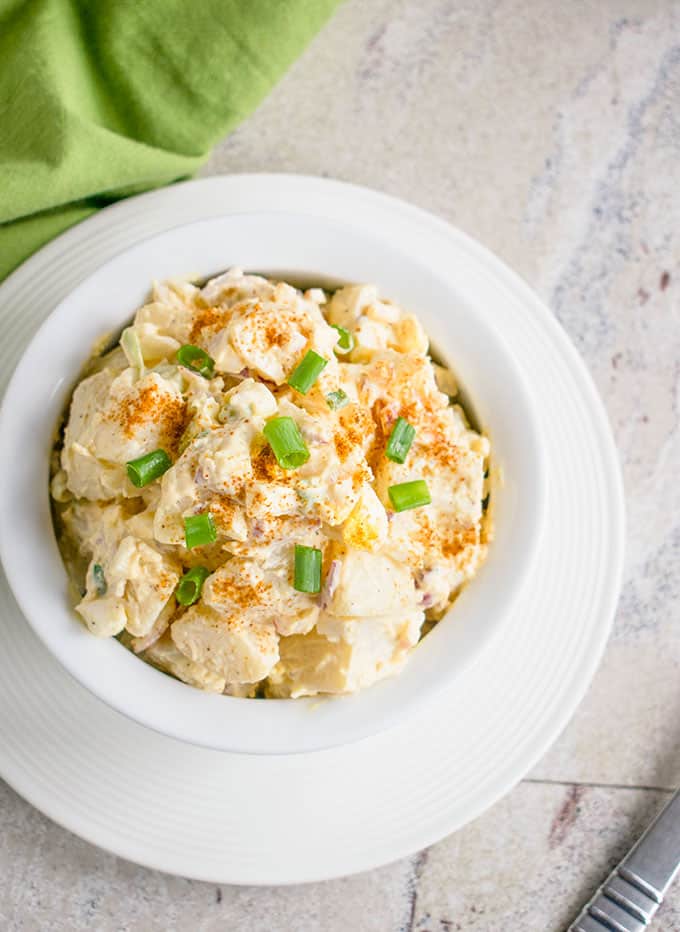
551, 132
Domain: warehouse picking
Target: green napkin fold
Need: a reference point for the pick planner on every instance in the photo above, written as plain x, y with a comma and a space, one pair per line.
100, 99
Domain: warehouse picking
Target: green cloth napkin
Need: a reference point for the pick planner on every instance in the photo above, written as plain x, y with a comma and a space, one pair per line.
100, 99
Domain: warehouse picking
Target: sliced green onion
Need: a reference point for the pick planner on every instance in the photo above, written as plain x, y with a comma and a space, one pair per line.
196, 359
190, 585
100, 583
130, 345
307, 569
144, 470
307, 372
407, 495
336, 400
345, 342
400, 441
199, 530
286, 441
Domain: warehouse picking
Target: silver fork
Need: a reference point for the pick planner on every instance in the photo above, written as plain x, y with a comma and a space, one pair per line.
631, 895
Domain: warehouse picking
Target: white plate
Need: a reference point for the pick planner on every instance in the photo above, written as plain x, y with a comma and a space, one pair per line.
245, 819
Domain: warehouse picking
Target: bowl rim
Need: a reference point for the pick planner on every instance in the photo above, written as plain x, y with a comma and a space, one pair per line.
533, 525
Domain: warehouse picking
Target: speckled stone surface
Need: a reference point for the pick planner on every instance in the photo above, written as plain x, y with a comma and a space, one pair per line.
551, 132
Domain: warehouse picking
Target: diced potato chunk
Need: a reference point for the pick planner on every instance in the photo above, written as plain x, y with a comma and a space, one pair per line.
344, 656
371, 584
116, 418
239, 650
165, 655
137, 582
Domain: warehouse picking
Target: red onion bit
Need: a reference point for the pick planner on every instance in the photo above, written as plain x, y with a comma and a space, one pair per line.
141, 644
330, 585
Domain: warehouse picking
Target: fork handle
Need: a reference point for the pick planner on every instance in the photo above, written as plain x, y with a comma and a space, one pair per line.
631, 895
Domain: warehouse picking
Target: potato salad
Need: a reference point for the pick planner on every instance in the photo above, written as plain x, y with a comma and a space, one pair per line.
269, 492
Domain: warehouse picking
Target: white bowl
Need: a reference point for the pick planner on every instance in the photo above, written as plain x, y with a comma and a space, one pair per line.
298, 246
